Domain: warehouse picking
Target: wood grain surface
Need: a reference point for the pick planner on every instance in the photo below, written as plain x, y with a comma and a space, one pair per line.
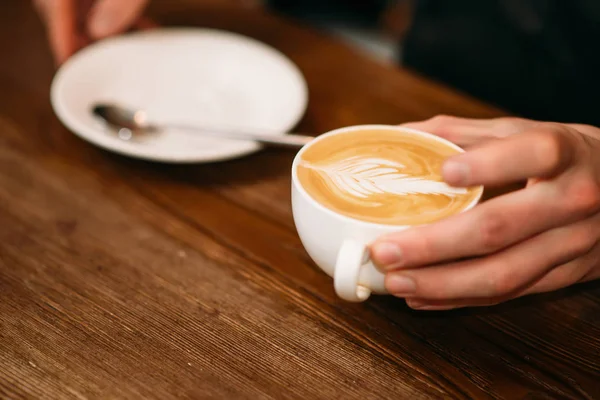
126, 279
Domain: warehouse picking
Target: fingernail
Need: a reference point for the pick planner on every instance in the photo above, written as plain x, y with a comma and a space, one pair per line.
401, 286
387, 254
456, 173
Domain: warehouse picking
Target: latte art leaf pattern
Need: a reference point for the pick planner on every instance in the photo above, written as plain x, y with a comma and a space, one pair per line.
383, 176
365, 177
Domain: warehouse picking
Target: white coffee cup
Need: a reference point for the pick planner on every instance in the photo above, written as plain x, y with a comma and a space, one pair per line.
338, 244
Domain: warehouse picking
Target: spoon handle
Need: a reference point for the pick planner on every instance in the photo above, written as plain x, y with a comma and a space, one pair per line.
287, 140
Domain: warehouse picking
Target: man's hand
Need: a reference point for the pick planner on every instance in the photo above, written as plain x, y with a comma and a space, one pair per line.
538, 239
73, 24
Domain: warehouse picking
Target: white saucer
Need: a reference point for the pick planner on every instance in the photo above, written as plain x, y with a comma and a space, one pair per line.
193, 76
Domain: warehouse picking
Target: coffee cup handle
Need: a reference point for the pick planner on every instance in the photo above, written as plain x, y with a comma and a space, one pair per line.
352, 256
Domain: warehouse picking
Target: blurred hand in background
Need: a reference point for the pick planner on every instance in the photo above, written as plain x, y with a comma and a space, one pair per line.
73, 24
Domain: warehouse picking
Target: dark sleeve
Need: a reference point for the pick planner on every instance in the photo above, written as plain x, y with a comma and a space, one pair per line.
361, 12
535, 58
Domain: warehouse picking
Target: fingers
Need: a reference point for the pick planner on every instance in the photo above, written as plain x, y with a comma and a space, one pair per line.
63, 20
491, 226
499, 276
583, 269
467, 132
109, 17
59, 16
542, 152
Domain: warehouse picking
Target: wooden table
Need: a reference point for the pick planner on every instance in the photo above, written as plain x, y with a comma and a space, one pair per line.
126, 279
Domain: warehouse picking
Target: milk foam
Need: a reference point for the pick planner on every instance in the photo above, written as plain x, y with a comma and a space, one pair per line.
382, 176
366, 177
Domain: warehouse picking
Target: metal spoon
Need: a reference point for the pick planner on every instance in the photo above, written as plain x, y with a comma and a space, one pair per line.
131, 124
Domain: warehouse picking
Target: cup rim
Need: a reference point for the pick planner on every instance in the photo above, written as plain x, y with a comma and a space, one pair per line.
339, 131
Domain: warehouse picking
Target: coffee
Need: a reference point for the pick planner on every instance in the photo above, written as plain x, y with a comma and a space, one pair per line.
383, 176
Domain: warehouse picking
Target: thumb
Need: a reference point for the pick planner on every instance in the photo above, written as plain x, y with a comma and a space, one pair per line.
109, 17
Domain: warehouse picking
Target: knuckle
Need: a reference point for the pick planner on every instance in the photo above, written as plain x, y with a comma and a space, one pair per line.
442, 120
549, 149
500, 283
444, 126
493, 231
581, 241
508, 126
584, 196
